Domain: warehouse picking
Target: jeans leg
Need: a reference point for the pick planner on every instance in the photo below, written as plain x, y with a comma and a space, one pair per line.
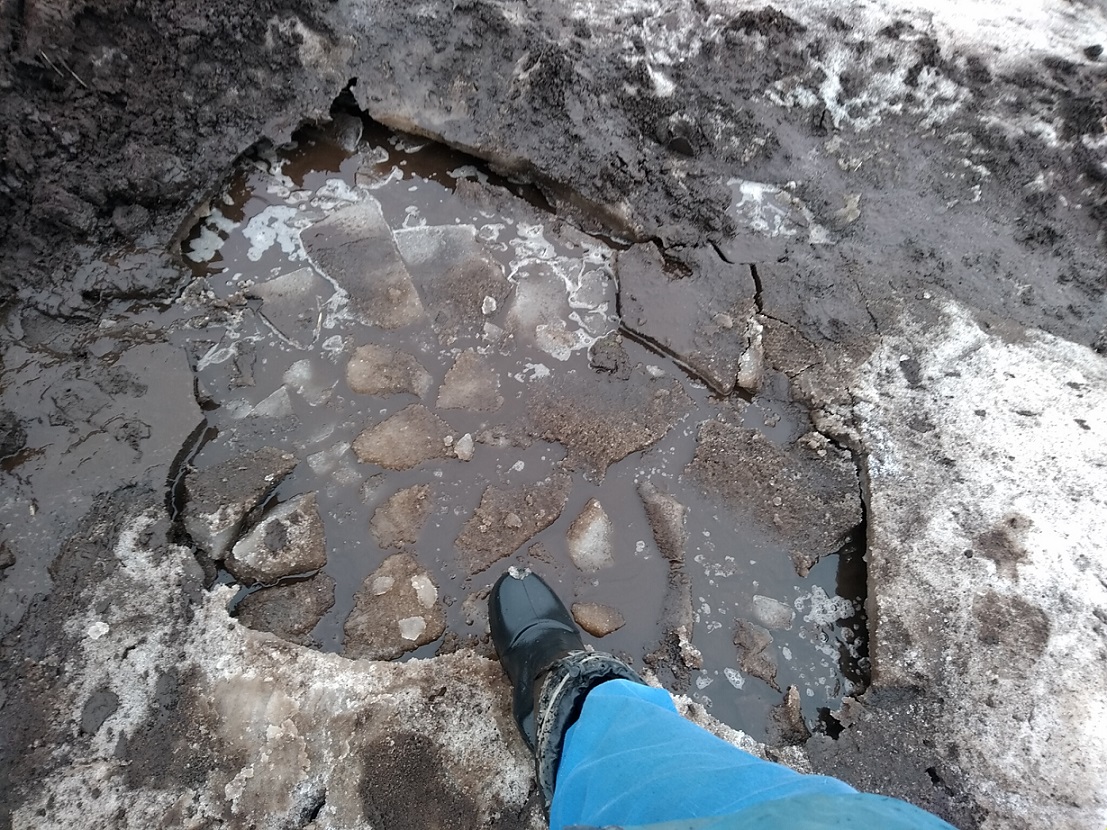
632, 759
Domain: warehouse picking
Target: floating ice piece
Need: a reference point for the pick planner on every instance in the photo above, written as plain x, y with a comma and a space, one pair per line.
590, 539
771, 613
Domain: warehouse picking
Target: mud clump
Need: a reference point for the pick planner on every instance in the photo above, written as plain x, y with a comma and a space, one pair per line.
396, 610
383, 371
787, 725
506, 519
400, 520
754, 658
409, 438
598, 620
290, 611
220, 497
470, 384
806, 494
609, 355
288, 540
666, 517
600, 423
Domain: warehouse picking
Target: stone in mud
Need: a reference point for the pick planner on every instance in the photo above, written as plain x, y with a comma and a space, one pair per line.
506, 519
608, 355
754, 658
701, 312
288, 540
590, 539
674, 657
220, 497
772, 613
345, 130
396, 610
807, 494
600, 421
290, 611
292, 302
459, 281
666, 517
464, 447
407, 439
598, 620
400, 520
787, 726
354, 247
470, 384
383, 371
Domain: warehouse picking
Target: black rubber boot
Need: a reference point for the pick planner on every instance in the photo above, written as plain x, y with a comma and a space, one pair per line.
541, 650
531, 630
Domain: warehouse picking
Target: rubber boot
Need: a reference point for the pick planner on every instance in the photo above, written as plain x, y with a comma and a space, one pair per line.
543, 655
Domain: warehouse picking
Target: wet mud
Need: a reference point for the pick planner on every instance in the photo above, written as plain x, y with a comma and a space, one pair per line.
472, 429
510, 383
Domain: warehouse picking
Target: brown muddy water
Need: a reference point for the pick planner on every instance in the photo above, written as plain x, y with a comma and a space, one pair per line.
273, 372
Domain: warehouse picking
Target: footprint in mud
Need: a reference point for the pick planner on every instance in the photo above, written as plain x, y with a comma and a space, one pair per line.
414, 375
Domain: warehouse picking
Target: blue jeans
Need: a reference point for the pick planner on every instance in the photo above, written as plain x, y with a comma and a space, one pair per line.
632, 760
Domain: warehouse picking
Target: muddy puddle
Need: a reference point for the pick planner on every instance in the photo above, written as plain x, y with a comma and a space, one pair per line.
441, 358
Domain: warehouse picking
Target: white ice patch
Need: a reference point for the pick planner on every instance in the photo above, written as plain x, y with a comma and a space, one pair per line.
206, 244
736, 678
424, 590
277, 225
823, 609
532, 371
97, 630
468, 171
277, 405
221, 222
562, 301
334, 194
412, 627
217, 354
302, 378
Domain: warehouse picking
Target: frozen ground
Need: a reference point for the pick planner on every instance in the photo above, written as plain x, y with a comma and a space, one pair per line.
920, 192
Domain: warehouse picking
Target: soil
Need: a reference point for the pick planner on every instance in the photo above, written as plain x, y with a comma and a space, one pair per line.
122, 119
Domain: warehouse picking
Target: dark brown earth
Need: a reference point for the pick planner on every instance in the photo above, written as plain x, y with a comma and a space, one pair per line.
119, 116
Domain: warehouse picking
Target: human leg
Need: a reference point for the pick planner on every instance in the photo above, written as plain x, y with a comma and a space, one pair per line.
631, 758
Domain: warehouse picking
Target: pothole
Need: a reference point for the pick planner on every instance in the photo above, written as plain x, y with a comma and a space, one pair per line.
414, 375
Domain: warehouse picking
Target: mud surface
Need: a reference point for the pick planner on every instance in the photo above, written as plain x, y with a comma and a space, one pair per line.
907, 210
521, 434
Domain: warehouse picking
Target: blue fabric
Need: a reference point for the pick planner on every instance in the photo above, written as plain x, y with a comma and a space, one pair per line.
631, 760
